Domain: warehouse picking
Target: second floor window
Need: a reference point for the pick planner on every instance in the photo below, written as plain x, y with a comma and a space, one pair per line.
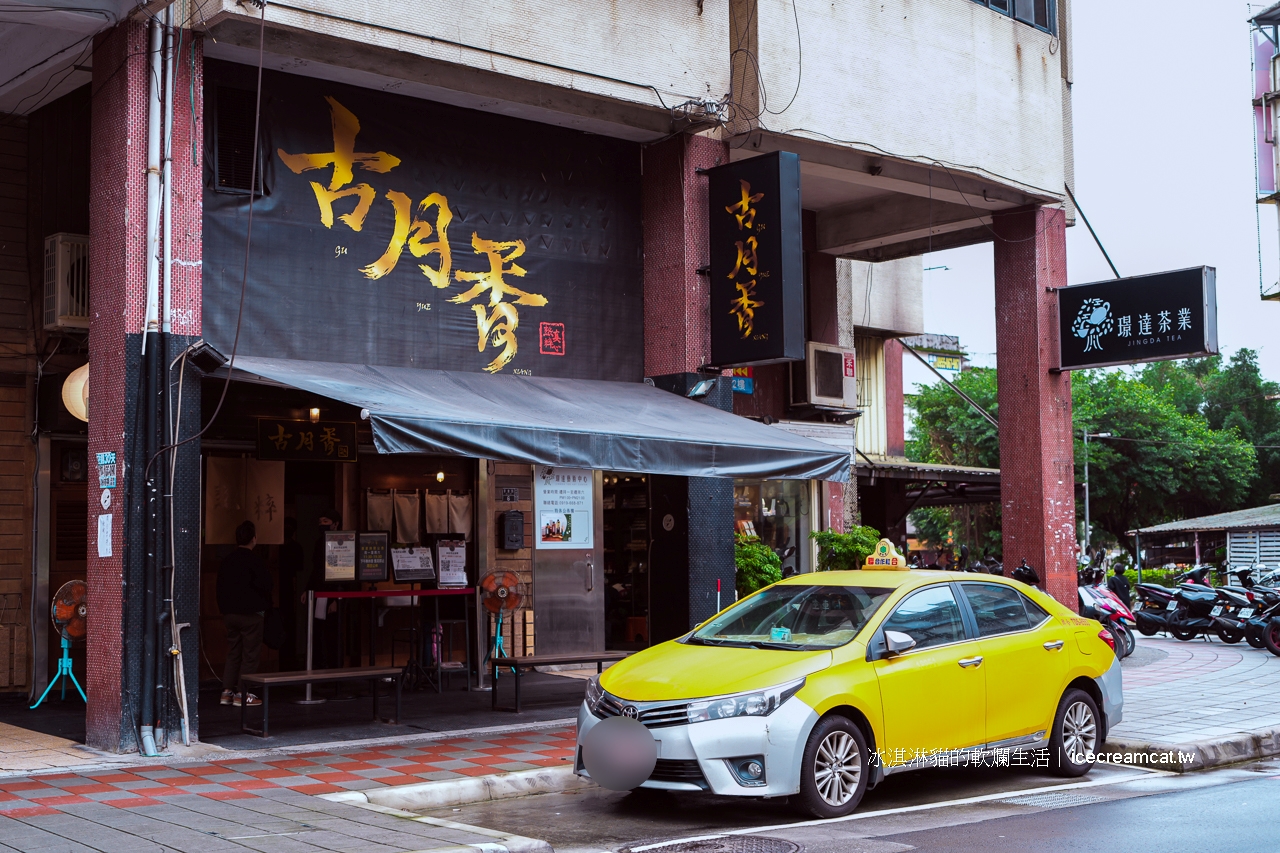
1041, 14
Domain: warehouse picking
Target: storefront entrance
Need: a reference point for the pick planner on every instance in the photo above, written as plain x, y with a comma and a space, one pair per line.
626, 561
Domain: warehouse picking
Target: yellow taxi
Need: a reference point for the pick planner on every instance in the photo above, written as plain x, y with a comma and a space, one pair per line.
819, 686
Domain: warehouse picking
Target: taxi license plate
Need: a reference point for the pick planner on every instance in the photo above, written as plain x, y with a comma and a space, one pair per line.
1217, 611
1246, 613
1173, 605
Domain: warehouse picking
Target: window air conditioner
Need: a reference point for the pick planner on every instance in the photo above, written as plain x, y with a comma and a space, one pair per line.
825, 378
66, 281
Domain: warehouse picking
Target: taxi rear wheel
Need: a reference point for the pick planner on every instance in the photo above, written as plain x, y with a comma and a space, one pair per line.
834, 769
1075, 734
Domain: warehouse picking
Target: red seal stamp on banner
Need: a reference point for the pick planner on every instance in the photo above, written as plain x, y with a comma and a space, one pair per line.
551, 339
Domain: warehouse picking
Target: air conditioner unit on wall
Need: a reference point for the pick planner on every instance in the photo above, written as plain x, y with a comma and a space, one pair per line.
66, 281
825, 378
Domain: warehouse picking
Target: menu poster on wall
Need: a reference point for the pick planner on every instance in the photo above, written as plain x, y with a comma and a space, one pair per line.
371, 557
453, 562
412, 565
563, 499
339, 555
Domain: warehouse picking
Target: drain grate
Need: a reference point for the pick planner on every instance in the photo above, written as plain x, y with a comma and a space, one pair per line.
728, 844
1054, 800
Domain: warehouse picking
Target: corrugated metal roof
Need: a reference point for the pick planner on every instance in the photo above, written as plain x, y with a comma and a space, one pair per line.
1242, 519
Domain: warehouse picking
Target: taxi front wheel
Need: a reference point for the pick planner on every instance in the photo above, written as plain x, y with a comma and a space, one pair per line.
1075, 734
833, 775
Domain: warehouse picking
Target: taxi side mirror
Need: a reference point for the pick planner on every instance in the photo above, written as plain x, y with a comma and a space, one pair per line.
896, 642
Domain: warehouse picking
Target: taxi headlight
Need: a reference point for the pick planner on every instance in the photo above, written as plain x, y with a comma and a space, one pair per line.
594, 693
760, 703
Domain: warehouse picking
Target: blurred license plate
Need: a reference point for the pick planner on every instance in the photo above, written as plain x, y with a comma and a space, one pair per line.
1217, 611
1173, 605
1246, 613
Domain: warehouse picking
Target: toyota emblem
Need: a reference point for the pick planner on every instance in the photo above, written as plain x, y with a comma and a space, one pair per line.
631, 712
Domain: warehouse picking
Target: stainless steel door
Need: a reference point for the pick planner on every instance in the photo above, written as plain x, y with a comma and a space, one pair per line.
568, 591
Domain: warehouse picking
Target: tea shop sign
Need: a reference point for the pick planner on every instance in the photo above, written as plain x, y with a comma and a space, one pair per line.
757, 261
1139, 319
325, 441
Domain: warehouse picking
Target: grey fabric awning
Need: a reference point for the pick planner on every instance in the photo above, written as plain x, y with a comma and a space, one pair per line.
572, 423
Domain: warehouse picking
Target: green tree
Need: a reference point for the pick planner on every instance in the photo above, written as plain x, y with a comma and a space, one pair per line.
948, 431
1172, 458
1163, 463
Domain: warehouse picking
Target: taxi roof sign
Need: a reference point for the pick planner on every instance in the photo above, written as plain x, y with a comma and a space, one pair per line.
886, 557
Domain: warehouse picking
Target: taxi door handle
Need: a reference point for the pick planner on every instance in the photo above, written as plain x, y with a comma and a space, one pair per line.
968, 662
1053, 645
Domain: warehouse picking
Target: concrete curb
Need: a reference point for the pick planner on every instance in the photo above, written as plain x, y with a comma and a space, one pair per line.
502, 842
1200, 755
472, 789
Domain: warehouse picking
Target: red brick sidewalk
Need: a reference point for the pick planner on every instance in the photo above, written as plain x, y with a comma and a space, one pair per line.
318, 772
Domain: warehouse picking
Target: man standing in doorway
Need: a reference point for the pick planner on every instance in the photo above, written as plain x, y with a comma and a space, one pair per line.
244, 595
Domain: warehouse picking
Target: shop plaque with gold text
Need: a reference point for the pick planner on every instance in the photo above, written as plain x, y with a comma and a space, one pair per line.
304, 441
757, 261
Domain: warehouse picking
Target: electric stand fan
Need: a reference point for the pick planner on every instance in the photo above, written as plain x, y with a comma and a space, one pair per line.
501, 592
68, 612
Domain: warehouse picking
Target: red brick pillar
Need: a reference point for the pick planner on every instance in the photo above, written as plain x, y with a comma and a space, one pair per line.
117, 265
677, 342
677, 331
1037, 475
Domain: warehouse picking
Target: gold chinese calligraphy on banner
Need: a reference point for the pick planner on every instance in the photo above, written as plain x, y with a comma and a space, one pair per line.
414, 228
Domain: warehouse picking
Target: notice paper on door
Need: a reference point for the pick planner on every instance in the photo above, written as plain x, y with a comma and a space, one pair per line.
104, 535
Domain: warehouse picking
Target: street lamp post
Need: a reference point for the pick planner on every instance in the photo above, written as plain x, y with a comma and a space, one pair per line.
1088, 435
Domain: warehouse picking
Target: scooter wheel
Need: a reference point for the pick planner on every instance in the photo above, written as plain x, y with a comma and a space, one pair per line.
1147, 631
1122, 636
1229, 636
1180, 634
1132, 640
1271, 637
1254, 639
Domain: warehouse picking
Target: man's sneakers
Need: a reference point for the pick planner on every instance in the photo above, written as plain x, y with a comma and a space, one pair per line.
230, 698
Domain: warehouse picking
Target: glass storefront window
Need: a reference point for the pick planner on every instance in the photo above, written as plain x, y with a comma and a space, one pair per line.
779, 512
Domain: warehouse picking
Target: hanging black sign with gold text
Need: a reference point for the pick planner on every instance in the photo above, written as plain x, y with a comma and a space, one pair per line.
757, 261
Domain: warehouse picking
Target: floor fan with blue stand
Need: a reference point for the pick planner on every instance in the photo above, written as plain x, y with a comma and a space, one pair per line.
501, 593
68, 611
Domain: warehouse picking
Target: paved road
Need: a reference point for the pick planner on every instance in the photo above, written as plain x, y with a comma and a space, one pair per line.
960, 810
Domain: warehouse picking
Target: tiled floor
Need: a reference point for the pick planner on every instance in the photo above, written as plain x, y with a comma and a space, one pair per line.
1200, 690
217, 805
25, 750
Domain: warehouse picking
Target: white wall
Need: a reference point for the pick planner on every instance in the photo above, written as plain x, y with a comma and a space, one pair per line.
923, 79
615, 49
887, 296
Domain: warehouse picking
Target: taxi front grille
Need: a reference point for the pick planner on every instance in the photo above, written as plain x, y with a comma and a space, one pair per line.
652, 716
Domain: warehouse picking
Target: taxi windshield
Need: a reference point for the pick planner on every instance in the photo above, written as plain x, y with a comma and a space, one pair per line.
794, 618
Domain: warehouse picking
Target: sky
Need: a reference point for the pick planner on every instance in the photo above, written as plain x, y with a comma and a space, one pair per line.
1164, 169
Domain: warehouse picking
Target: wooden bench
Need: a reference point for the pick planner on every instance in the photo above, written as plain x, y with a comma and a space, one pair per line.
530, 661
266, 680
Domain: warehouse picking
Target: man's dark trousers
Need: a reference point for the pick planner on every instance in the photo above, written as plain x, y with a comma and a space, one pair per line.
244, 643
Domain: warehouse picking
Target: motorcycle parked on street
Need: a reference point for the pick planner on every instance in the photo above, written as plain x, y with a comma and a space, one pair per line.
1098, 602
1262, 617
1200, 609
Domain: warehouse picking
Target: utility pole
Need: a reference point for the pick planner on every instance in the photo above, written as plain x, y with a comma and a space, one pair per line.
1087, 436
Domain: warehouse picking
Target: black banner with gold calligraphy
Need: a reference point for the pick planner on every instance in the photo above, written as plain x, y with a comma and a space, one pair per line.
402, 232
757, 261
324, 441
